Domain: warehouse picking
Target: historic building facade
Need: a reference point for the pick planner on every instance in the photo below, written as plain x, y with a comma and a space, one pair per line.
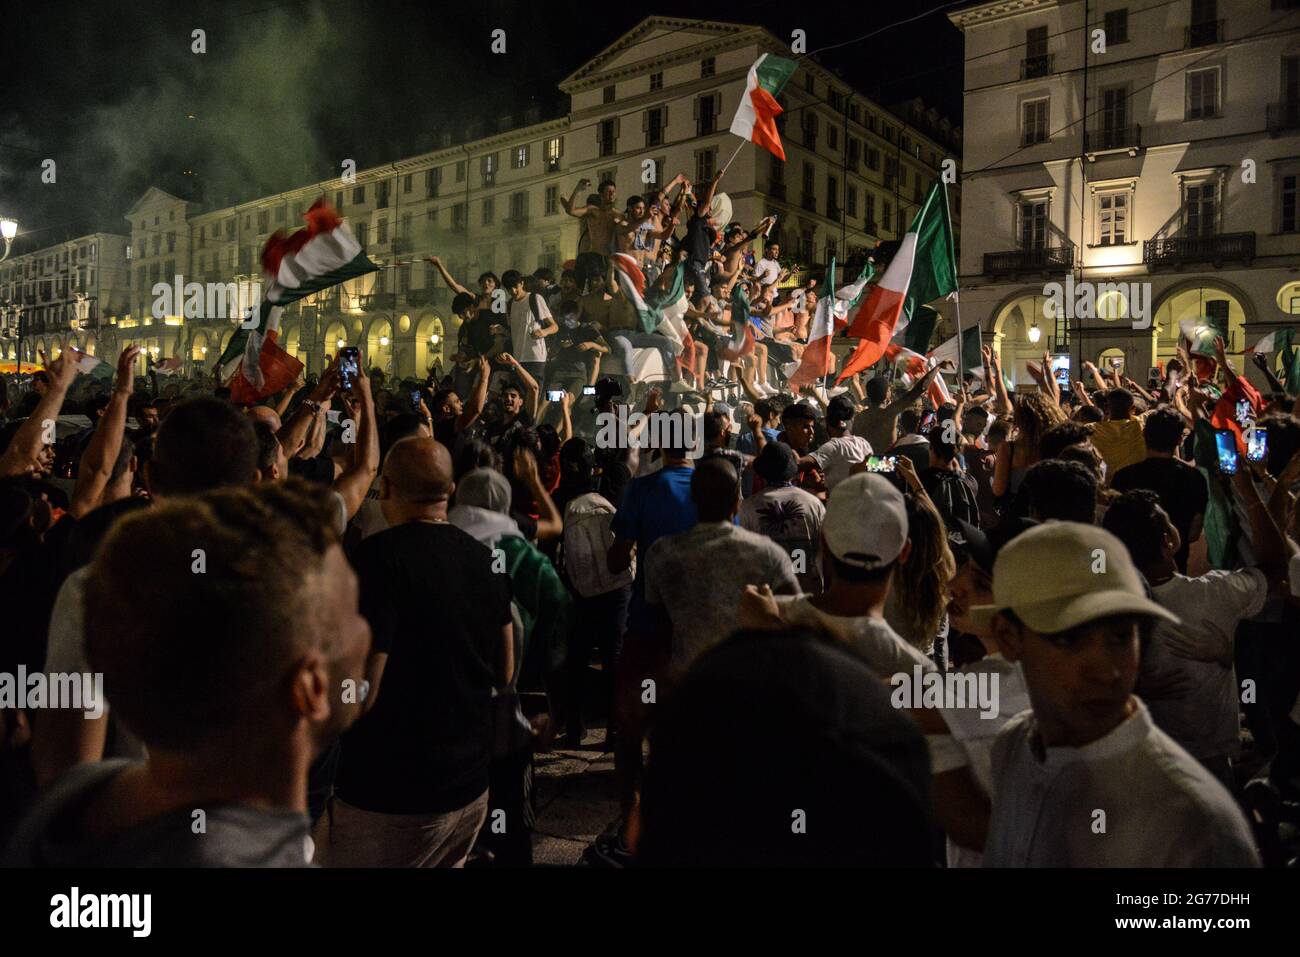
656, 102
1155, 147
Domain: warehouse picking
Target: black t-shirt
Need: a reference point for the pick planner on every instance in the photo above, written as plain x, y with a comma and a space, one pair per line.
700, 237
565, 355
436, 607
476, 334
955, 494
1180, 487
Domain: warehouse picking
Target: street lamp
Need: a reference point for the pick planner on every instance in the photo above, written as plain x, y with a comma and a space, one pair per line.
8, 230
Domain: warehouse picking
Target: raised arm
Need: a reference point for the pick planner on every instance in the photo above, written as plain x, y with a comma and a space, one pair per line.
447, 277
25, 448
567, 204
359, 475
96, 469
293, 434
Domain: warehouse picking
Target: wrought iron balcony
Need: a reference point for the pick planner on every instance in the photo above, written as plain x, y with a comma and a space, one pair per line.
1112, 138
1042, 259
1036, 66
1217, 248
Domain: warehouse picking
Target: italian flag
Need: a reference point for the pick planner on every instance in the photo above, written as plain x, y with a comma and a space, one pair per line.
755, 118
661, 308
322, 254
910, 366
923, 269
831, 315
1266, 344
969, 359
742, 340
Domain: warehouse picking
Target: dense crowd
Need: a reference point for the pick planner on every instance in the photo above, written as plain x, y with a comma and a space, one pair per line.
342, 622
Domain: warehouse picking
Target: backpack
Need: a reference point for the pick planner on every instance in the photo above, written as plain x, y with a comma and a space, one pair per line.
587, 538
953, 498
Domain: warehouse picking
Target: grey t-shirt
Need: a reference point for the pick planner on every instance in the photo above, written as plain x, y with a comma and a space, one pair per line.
698, 577
233, 835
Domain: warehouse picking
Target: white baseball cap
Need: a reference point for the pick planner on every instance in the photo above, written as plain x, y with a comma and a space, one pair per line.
866, 521
1063, 574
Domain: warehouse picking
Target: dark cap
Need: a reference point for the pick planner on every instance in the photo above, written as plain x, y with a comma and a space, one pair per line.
776, 463
982, 547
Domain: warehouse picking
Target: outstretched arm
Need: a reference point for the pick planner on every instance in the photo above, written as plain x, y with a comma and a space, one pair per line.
96, 469
447, 277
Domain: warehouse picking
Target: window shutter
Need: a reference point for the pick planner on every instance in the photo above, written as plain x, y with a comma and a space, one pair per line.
664, 108
717, 107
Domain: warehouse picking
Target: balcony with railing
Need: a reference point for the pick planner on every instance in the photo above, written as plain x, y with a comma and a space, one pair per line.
1216, 248
1203, 34
1036, 66
1039, 259
1112, 138
378, 300
1283, 116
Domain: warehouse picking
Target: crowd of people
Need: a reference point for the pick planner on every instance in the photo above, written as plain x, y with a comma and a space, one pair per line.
336, 627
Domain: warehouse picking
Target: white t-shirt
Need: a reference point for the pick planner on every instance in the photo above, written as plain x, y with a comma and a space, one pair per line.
1162, 808
1206, 718
871, 639
767, 271
524, 346
836, 457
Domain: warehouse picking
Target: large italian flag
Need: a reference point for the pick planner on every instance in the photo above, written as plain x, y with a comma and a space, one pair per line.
756, 116
923, 269
831, 314
324, 253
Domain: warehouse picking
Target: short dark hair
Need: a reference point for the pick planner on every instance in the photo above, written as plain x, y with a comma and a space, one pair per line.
511, 278
1062, 436
264, 547
544, 274
1163, 429
944, 445
1119, 402
798, 410
715, 423
1061, 490
488, 275
1135, 519
463, 301
203, 444
604, 183
1090, 413
877, 389
857, 575
715, 488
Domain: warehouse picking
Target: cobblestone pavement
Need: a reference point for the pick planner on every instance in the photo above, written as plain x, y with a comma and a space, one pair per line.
577, 799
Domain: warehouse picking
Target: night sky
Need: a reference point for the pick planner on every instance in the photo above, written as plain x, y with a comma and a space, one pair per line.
288, 88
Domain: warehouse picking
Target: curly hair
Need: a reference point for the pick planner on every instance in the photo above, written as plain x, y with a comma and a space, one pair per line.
921, 583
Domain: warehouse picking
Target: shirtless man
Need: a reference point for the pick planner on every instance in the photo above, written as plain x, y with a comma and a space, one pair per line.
600, 221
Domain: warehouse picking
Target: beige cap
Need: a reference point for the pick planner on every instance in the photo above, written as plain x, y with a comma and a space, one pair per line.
1063, 574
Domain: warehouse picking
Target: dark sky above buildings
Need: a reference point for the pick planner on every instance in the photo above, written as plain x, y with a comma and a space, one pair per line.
287, 89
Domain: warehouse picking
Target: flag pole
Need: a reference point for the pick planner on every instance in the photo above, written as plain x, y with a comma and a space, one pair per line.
733, 158
956, 295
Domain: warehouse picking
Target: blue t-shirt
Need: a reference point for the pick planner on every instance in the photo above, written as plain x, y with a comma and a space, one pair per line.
653, 506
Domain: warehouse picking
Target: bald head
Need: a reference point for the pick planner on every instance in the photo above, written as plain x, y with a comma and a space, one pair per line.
417, 472
264, 413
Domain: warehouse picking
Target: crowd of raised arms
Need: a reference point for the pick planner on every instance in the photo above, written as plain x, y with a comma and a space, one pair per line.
1042, 626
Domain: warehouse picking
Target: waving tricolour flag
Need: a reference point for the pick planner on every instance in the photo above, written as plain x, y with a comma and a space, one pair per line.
756, 116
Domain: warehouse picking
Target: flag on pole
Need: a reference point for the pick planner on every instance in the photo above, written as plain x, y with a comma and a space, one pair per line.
169, 366
971, 358
1290, 362
923, 269
1267, 344
741, 342
910, 366
756, 115
920, 330
322, 254
816, 359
